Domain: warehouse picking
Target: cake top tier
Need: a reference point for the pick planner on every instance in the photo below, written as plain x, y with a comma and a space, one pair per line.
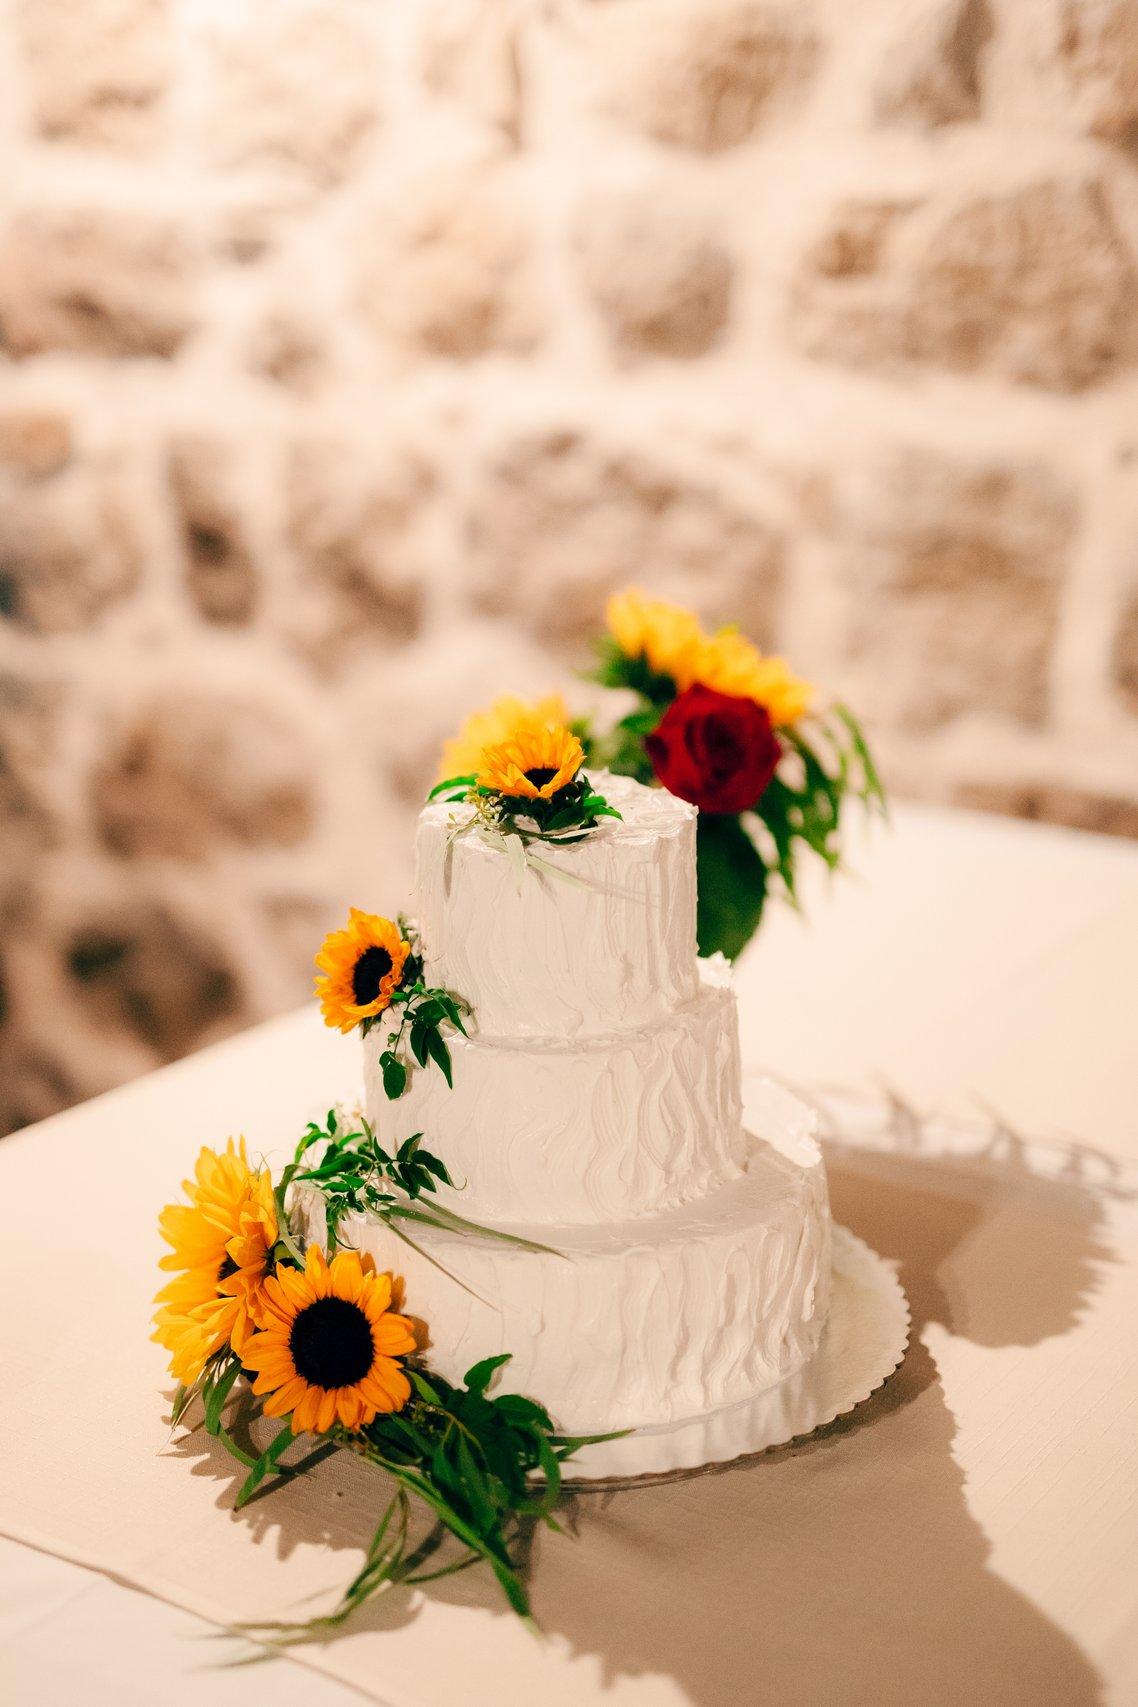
607, 947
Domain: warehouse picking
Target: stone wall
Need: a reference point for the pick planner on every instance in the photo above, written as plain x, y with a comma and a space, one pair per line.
352, 350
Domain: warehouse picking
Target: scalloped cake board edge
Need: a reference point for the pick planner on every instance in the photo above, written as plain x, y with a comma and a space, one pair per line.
862, 1344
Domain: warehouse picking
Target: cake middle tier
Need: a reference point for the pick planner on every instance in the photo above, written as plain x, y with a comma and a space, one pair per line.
605, 1129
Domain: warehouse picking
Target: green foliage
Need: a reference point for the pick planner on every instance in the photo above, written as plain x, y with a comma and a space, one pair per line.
622, 748
215, 1387
804, 803
732, 884
355, 1175
424, 1012
568, 816
268, 1469
614, 669
577, 806
483, 1466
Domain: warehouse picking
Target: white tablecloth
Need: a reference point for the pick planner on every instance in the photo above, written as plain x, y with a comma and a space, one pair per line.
971, 1537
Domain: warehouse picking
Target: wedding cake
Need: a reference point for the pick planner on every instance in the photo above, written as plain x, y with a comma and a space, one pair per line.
596, 1111
553, 1240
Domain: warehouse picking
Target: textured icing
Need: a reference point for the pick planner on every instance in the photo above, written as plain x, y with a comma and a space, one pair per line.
601, 1129
596, 1109
546, 958
635, 1323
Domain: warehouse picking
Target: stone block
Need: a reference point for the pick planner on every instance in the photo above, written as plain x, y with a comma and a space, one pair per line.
95, 280
1036, 285
702, 74
952, 573
189, 771
656, 270
561, 519
220, 572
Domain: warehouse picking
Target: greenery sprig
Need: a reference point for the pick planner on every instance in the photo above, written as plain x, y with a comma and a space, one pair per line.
568, 816
484, 1466
425, 1009
355, 1175
615, 669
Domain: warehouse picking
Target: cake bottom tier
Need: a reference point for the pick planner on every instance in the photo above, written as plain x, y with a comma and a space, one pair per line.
638, 1323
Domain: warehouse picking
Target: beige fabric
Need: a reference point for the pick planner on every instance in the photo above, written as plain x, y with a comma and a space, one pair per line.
968, 1537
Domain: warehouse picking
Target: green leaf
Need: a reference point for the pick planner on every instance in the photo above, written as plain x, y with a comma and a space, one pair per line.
450, 784
642, 722
566, 1444
732, 881
473, 1484
775, 809
215, 1392
521, 1410
439, 1054
872, 787
394, 1076
419, 1042
437, 1215
551, 1466
477, 1379
616, 670
436, 1167
266, 1462
183, 1399
231, 1446
422, 1386
408, 1148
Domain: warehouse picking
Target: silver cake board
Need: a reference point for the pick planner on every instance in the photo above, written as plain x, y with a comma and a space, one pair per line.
862, 1344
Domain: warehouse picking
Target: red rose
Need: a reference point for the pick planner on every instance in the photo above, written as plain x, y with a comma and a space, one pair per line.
715, 750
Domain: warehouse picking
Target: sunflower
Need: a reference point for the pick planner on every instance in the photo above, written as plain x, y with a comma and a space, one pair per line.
533, 764
732, 664
329, 1345
360, 969
666, 636
221, 1241
496, 723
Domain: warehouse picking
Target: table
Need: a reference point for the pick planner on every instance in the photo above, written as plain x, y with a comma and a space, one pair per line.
964, 1006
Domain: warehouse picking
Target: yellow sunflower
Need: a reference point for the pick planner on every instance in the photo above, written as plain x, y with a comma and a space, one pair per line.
496, 723
330, 1343
666, 636
672, 643
732, 664
360, 969
221, 1240
533, 764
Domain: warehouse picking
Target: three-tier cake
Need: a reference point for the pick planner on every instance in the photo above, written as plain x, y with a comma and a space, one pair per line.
596, 1109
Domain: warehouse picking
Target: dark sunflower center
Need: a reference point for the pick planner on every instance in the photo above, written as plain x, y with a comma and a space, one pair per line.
368, 974
541, 775
331, 1343
227, 1268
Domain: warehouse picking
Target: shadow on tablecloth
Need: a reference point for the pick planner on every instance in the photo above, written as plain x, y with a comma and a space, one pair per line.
848, 1568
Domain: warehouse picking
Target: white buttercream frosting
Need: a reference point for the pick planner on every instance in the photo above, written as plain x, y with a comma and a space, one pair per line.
545, 958
635, 1323
596, 1129
596, 1109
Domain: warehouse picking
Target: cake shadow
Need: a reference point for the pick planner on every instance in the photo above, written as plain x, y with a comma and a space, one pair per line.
847, 1567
